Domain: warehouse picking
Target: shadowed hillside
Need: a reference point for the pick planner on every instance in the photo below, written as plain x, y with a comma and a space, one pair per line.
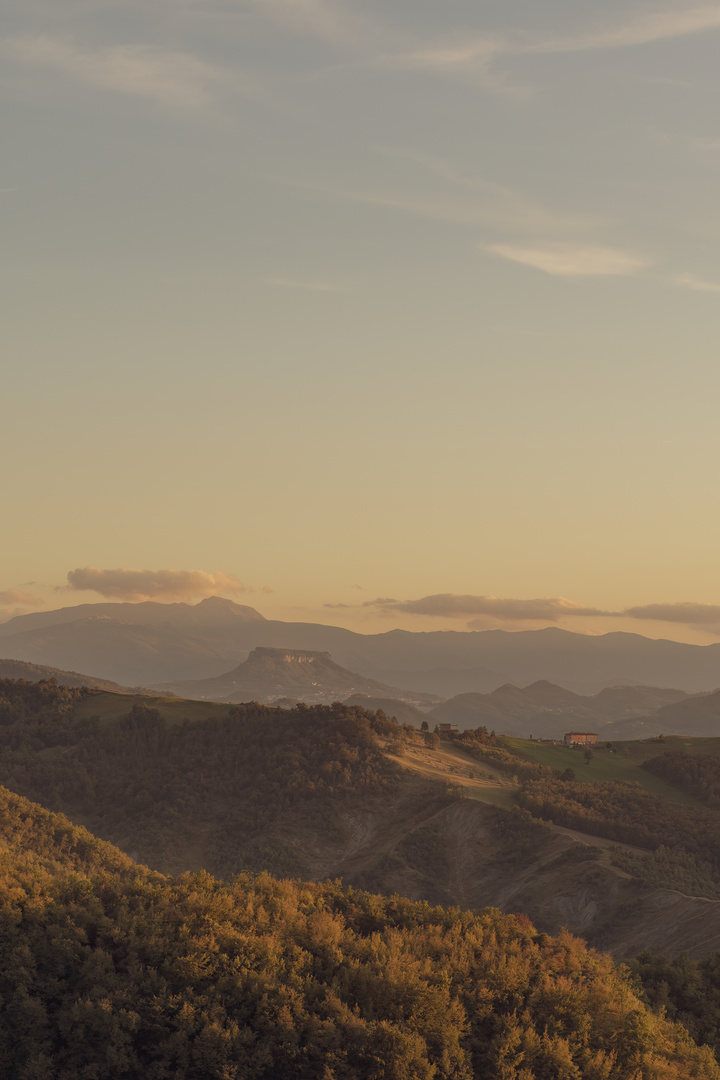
325, 792
19, 669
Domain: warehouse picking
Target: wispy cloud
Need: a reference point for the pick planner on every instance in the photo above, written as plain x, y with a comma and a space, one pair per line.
174, 79
690, 281
637, 30
572, 260
127, 584
483, 204
643, 29
332, 22
16, 602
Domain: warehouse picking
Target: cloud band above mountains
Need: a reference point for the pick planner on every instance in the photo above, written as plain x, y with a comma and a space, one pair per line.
543, 609
696, 614
137, 585
451, 605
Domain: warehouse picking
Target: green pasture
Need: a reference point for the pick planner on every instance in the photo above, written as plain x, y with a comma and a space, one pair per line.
642, 749
111, 707
621, 763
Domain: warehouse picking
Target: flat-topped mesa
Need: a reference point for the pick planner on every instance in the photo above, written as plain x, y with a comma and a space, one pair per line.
270, 674
288, 656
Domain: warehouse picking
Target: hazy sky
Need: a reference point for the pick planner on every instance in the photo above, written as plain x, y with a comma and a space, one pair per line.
409, 300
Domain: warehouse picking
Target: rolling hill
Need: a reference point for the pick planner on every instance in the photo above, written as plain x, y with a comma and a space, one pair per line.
324, 792
20, 669
696, 715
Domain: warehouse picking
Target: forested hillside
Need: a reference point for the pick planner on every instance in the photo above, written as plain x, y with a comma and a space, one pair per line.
696, 774
115, 972
683, 841
312, 793
222, 793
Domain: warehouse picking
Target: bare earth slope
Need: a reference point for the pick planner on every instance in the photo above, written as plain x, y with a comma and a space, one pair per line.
565, 879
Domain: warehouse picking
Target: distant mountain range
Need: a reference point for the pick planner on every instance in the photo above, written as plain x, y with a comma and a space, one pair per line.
698, 714
151, 643
270, 675
543, 710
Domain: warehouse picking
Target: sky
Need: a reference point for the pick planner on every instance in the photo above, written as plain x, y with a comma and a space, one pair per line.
373, 314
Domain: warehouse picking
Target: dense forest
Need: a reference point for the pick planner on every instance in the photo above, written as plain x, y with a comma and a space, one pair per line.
682, 840
696, 774
255, 788
228, 787
115, 972
626, 812
684, 990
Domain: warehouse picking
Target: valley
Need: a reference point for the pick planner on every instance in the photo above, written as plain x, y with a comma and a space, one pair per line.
327, 792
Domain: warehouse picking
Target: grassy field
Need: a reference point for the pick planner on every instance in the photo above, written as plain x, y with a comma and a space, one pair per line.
621, 763
111, 707
641, 750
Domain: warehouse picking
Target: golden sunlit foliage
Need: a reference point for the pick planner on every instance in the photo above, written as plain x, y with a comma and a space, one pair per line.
113, 971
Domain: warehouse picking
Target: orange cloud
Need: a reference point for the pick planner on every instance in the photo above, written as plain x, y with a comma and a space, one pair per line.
452, 605
17, 596
691, 613
168, 585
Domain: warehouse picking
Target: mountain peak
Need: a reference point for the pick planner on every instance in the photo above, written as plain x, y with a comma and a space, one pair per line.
217, 604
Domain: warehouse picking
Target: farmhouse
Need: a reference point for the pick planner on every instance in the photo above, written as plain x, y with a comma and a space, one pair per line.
447, 729
580, 737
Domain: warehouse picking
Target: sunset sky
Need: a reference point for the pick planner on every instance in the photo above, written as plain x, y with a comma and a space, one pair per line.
375, 314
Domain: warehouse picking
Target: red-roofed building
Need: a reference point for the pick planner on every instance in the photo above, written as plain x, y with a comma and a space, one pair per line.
573, 738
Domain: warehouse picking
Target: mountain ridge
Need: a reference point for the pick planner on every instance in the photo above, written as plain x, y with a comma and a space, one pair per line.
552, 710
180, 641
